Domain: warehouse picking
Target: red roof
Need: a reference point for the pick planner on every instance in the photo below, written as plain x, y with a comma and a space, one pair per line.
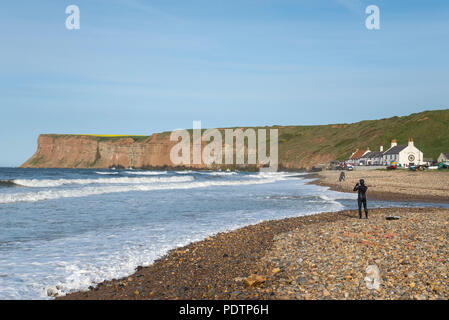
358, 154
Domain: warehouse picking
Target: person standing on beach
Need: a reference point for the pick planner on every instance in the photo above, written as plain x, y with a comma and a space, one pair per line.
361, 188
342, 176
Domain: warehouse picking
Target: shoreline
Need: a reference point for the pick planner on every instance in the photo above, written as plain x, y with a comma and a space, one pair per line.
188, 272
375, 195
216, 267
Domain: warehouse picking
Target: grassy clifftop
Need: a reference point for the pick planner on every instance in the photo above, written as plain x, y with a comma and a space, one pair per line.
305, 146
99, 137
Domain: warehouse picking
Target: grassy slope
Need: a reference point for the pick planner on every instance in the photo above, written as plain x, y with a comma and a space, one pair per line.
429, 129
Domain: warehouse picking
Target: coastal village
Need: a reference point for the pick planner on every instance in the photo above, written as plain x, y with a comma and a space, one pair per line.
396, 156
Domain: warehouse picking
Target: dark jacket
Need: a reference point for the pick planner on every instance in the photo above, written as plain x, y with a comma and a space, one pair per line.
361, 188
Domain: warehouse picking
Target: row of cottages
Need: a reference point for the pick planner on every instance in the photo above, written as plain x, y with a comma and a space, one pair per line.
405, 155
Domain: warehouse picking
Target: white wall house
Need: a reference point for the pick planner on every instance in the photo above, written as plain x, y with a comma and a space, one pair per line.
373, 158
404, 155
444, 158
356, 157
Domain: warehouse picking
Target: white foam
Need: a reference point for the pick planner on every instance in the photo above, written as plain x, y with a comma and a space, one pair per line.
46, 183
338, 196
218, 173
89, 191
106, 173
146, 173
184, 172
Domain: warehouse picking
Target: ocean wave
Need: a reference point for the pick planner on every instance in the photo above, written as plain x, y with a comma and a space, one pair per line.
106, 173
89, 191
7, 184
302, 197
218, 173
184, 172
270, 175
48, 183
338, 196
315, 198
146, 173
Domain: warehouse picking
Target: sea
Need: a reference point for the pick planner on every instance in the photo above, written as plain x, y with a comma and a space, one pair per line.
63, 230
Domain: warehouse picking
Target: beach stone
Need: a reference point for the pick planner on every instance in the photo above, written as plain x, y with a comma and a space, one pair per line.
372, 278
275, 270
254, 280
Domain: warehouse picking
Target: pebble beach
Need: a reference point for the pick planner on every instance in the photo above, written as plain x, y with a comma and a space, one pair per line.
323, 256
330, 260
394, 185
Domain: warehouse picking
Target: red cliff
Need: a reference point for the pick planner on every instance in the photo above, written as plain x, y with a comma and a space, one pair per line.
73, 151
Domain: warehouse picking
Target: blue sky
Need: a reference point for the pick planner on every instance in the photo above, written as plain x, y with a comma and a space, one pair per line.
138, 67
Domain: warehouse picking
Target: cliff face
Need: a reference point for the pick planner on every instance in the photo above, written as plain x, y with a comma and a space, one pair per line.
78, 151
300, 147
83, 151
89, 152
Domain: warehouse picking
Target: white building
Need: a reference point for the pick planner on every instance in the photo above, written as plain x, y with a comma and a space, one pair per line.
356, 157
405, 155
373, 158
444, 158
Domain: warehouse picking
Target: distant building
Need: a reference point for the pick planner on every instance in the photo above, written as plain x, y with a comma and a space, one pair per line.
373, 158
355, 158
404, 155
444, 158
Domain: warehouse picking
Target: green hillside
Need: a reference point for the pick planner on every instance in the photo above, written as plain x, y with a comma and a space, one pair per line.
429, 129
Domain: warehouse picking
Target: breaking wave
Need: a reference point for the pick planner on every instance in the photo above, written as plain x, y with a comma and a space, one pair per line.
146, 173
7, 183
106, 173
316, 198
47, 183
186, 183
218, 173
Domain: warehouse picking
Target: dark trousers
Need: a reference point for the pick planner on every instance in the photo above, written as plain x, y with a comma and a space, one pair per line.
360, 202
